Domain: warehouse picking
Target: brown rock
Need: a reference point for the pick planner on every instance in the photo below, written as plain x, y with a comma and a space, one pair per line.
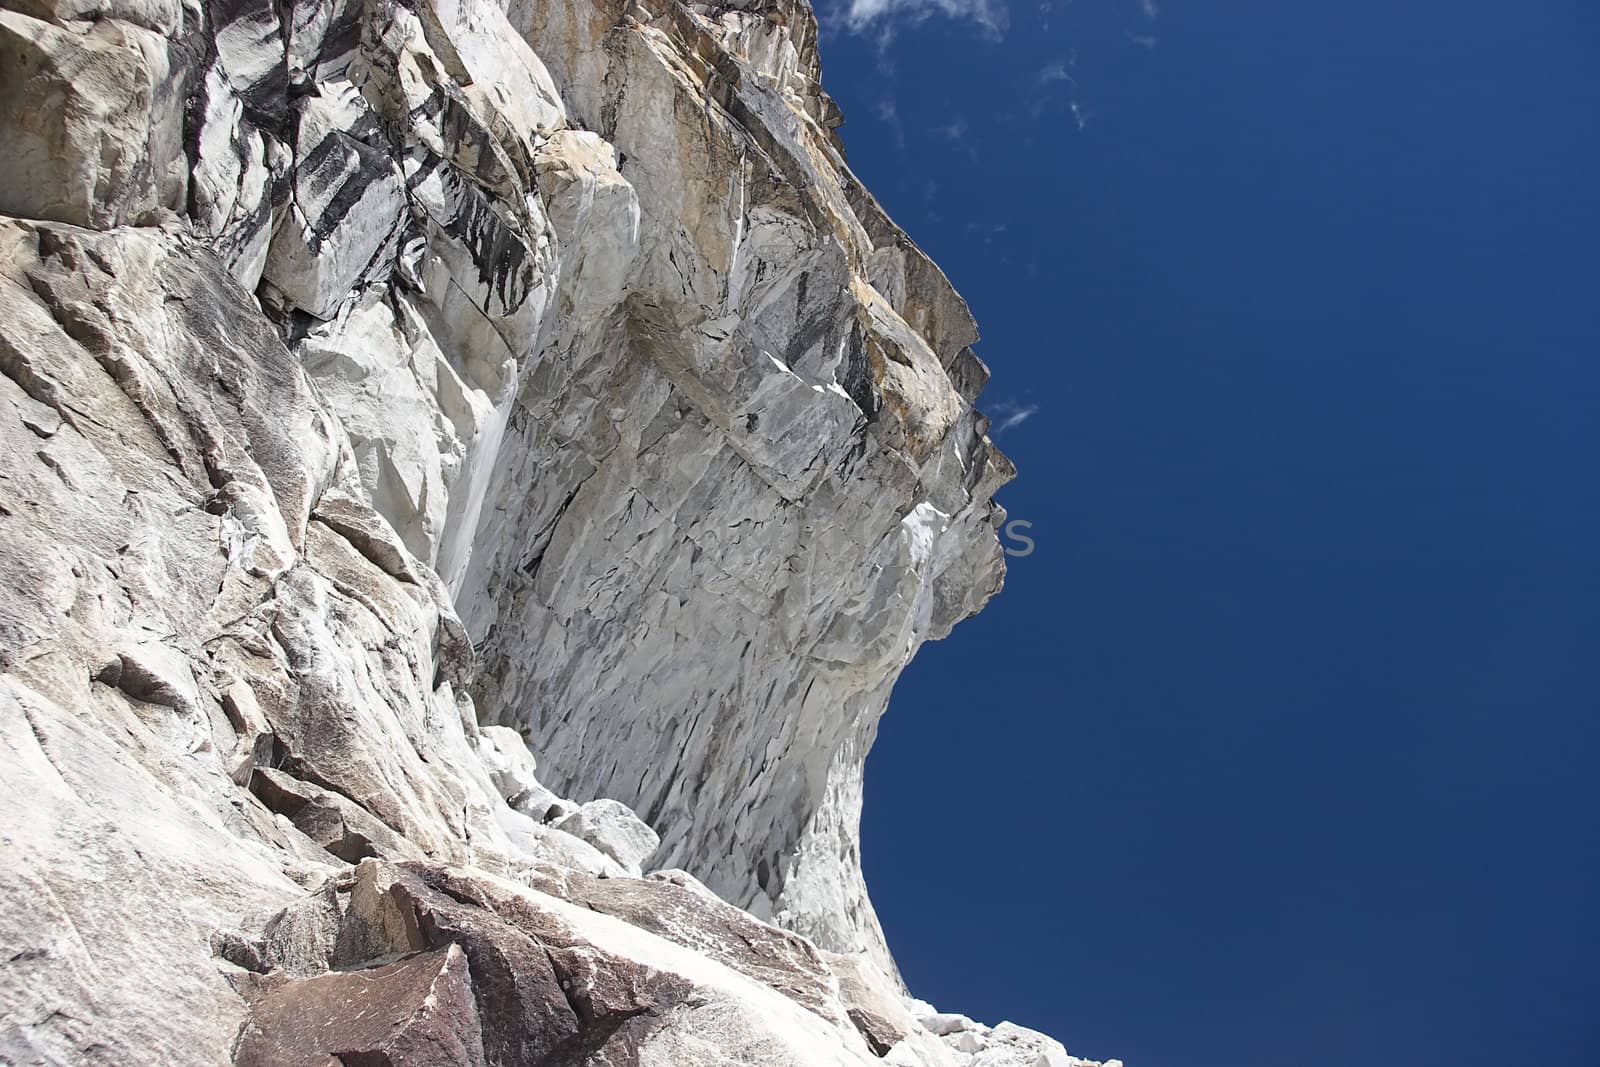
881, 1035
418, 1012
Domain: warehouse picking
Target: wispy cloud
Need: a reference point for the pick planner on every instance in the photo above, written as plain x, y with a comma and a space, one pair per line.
987, 231
1152, 12
889, 113
1009, 414
880, 16
955, 131
1052, 73
1047, 78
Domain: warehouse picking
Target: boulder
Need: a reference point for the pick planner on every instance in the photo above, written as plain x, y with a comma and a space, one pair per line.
614, 829
92, 121
1009, 1045
341, 221
416, 1012
506, 757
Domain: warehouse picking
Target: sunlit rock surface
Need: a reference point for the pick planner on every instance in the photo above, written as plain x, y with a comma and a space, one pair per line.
393, 391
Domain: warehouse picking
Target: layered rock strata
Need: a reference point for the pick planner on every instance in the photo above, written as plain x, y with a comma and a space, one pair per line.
394, 387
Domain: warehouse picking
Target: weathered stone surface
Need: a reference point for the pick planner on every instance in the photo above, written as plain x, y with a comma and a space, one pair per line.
105, 920
158, 554
372, 371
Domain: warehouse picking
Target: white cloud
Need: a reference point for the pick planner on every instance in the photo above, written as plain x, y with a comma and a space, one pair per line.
1052, 73
1152, 10
1008, 414
863, 15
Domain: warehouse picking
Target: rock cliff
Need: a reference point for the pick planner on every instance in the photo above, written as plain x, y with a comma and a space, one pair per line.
395, 389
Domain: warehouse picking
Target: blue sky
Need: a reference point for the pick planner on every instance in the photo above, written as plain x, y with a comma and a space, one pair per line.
1280, 749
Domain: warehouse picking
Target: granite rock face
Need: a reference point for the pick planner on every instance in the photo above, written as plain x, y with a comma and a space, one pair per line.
394, 387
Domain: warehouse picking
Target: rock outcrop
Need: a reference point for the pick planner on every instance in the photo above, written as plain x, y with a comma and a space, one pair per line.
394, 386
